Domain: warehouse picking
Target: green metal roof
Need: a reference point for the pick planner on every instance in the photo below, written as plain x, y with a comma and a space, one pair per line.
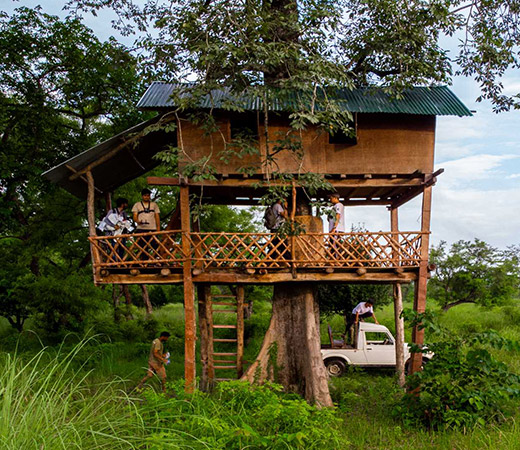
431, 101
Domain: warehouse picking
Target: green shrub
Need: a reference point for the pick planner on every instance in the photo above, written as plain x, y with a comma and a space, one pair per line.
463, 385
239, 415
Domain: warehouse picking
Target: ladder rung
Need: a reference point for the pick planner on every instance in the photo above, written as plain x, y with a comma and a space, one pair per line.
223, 379
224, 367
224, 326
234, 311
224, 340
224, 361
223, 296
225, 303
224, 354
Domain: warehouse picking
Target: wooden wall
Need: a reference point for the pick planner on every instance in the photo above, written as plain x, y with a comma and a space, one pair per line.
386, 143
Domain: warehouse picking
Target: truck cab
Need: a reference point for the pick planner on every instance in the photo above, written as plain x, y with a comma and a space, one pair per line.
374, 346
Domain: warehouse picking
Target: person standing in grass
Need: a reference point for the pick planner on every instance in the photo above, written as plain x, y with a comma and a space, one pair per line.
157, 360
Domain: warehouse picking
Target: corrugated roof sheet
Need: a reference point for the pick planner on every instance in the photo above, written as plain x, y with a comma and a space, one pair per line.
431, 101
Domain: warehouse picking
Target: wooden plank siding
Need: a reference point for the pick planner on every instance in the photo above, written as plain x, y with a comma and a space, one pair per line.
386, 143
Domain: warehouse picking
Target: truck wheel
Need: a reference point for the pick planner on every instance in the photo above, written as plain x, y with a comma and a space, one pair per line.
335, 367
407, 365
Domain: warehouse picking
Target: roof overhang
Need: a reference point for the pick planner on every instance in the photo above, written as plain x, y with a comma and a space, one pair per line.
130, 159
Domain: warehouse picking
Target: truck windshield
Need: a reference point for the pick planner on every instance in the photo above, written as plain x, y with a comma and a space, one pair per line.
378, 338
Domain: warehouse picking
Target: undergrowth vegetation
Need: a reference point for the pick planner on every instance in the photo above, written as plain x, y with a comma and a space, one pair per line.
80, 394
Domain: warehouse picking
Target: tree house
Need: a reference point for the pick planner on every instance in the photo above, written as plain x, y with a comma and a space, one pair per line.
387, 160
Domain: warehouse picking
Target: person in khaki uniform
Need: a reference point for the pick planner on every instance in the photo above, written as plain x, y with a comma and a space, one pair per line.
156, 361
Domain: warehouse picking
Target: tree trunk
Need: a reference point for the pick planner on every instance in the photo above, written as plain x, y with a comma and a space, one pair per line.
146, 300
128, 298
290, 354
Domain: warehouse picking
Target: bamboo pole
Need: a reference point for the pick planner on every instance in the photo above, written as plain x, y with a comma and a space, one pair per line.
189, 294
206, 337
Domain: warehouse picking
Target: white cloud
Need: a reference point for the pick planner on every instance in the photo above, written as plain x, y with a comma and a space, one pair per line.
514, 175
472, 168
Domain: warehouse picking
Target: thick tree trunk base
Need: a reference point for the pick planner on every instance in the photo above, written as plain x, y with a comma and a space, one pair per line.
290, 354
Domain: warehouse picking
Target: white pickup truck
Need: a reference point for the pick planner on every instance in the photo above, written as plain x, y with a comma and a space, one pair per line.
374, 347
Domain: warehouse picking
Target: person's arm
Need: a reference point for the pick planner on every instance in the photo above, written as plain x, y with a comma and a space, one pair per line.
375, 320
136, 217
158, 355
357, 318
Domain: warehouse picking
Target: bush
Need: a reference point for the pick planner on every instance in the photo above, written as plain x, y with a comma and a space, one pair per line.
463, 385
239, 415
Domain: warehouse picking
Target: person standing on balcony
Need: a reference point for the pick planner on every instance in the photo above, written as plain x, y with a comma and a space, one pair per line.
274, 218
115, 223
157, 360
146, 217
336, 225
337, 220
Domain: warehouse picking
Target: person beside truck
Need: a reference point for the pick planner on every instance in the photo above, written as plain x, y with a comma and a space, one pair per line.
363, 310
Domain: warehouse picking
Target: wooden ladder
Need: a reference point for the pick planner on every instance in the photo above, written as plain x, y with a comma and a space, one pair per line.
222, 358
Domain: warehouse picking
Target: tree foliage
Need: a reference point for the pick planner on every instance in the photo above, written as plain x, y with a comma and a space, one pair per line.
473, 272
328, 42
61, 90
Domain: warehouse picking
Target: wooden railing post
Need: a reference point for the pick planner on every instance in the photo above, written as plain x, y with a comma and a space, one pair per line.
189, 294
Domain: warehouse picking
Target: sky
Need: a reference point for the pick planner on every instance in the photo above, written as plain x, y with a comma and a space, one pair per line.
477, 196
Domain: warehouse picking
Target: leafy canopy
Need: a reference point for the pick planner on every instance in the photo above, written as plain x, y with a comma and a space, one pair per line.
306, 43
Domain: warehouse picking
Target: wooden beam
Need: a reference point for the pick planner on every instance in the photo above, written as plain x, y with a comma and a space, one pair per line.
382, 181
189, 294
82, 177
372, 277
419, 304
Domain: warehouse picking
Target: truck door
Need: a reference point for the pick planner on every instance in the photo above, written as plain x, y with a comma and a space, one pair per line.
379, 348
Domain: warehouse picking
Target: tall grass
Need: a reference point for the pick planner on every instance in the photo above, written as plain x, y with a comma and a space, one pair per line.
47, 403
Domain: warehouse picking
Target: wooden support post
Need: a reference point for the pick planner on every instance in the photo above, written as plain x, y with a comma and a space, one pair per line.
399, 334
419, 304
189, 294
91, 217
108, 202
398, 307
207, 378
240, 330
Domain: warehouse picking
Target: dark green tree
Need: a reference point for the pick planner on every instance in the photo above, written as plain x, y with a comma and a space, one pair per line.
473, 272
61, 90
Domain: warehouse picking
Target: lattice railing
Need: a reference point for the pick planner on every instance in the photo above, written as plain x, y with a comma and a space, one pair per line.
311, 250
138, 250
268, 251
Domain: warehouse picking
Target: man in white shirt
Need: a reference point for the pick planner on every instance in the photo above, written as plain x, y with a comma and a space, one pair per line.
115, 223
360, 312
337, 221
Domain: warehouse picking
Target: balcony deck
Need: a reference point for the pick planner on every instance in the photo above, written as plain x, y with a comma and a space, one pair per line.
160, 257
